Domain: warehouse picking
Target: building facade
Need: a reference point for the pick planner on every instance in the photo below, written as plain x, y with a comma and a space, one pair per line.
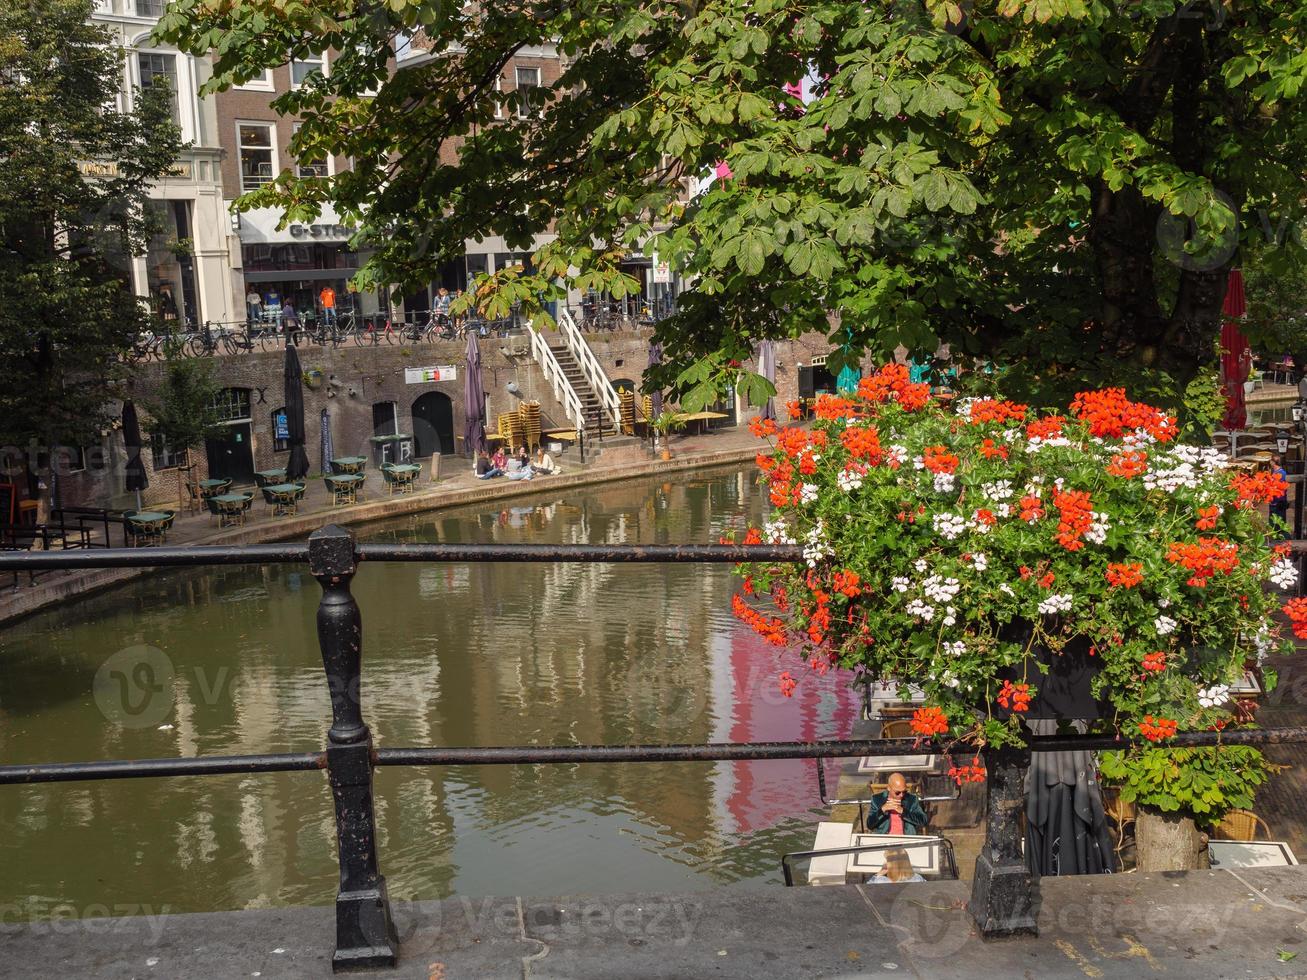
185, 273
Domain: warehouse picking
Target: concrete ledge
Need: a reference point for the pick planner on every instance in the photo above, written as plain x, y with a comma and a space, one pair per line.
60, 587
1191, 925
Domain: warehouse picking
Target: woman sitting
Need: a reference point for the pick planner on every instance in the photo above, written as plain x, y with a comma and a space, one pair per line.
543, 463
898, 869
519, 465
485, 469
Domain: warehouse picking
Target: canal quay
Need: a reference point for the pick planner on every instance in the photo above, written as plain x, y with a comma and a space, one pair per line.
639, 869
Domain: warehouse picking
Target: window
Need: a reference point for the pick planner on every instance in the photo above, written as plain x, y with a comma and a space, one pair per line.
280, 431
231, 404
165, 457
260, 83
499, 106
160, 70
150, 8
300, 70
306, 167
258, 159
528, 79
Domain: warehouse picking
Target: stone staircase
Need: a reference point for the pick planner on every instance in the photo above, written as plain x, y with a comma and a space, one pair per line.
592, 408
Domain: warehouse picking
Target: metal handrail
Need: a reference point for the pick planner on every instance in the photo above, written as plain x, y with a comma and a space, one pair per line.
590, 367
553, 372
946, 849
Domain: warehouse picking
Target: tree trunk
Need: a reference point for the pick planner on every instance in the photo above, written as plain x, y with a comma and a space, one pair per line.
1168, 842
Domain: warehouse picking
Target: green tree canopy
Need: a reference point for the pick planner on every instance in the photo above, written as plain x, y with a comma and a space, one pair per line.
1057, 185
67, 311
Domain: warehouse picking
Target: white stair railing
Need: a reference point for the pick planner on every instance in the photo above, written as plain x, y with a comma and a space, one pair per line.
590, 368
564, 393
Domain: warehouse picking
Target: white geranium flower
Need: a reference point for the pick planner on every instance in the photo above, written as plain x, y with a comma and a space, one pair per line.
921, 610
1214, 696
899, 583
955, 649
948, 526
1164, 625
808, 493
848, 480
944, 482
1057, 602
998, 490
1284, 574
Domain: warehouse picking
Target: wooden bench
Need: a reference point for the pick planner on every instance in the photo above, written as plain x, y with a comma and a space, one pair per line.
829, 869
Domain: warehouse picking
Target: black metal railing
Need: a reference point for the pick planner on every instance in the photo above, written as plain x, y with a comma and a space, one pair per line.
1002, 894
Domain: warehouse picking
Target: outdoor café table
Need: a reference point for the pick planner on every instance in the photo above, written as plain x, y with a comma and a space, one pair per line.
349, 464
285, 495
270, 476
147, 518
403, 476
211, 487
344, 487
231, 507
703, 418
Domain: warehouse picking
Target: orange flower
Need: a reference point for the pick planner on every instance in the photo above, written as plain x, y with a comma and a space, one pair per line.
992, 410
788, 684
892, 382
1047, 581
1204, 559
1124, 575
794, 410
1076, 517
985, 516
1155, 662
974, 772
1128, 464
769, 628
1258, 488
846, 583
1157, 729
761, 428
1014, 696
753, 536
1296, 610
989, 449
1045, 428
1207, 517
862, 442
929, 721
1110, 415
834, 407
938, 459
1031, 508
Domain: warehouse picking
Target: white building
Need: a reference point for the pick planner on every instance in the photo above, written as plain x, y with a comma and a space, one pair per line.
185, 274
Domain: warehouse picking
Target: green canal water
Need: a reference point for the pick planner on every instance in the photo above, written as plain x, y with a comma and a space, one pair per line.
225, 661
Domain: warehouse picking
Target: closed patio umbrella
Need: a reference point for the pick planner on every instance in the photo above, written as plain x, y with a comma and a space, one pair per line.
1066, 828
1236, 358
767, 368
136, 478
297, 467
474, 398
327, 451
655, 396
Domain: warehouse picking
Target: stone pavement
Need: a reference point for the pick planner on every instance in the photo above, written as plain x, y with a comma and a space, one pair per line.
1193, 925
456, 486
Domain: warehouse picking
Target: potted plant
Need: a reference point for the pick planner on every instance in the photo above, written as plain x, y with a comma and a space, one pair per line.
995, 556
665, 424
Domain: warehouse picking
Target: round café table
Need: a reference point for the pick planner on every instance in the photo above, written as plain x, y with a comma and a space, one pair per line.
211, 487
270, 476
231, 507
285, 495
145, 519
344, 488
349, 464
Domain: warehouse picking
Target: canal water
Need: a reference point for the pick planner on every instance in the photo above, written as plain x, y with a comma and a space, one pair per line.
226, 661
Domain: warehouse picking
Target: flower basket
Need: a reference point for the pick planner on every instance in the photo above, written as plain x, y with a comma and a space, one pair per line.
1078, 564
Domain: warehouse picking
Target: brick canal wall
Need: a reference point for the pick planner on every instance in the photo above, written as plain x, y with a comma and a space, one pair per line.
351, 380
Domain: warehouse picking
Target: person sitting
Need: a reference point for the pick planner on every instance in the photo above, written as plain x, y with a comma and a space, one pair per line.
519, 466
485, 468
896, 811
898, 869
543, 463
500, 459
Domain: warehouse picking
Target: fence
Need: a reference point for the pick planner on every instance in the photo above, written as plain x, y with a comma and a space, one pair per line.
1002, 899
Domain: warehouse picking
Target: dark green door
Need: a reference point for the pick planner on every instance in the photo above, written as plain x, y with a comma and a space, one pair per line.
230, 456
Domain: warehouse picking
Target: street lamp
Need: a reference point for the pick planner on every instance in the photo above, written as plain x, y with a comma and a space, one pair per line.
1282, 441
1298, 410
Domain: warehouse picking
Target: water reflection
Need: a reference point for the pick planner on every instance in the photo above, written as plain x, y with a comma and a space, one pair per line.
454, 655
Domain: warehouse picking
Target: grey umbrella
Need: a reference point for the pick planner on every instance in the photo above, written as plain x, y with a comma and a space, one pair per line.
327, 450
1066, 828
767, 368
655, 396
474, 397
136, 478
297, 467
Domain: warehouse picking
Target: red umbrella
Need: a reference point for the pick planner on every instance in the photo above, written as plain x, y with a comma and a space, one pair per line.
1236, 356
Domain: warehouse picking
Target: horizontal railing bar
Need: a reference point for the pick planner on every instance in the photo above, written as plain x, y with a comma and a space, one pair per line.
268, 554
171, 555
634, 553
541, 754
216, 765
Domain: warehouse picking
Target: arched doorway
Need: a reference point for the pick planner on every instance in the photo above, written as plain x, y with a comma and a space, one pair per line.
433, 424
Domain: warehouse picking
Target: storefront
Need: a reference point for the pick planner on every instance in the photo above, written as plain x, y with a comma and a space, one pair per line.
309, 266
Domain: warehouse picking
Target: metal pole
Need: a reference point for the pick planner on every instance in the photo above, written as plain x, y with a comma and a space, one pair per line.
1004, 897
1298, 487
365, 933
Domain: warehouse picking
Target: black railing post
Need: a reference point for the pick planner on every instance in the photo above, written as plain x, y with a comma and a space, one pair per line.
365, 933
1004, 899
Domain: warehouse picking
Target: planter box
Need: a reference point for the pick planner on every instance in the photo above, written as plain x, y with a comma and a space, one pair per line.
1064, 692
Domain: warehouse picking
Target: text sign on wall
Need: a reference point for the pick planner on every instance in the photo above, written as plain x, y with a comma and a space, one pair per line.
426, 375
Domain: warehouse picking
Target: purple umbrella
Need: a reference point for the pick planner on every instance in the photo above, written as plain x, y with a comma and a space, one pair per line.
474, 397
767, 368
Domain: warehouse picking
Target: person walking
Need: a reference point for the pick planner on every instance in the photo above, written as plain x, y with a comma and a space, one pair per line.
291, 321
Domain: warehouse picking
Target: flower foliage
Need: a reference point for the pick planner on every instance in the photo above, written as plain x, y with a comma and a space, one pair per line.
941, 543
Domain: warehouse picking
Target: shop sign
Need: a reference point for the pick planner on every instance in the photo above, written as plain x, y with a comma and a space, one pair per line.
426, 375
280, 425
182, 169
98, 168
662, 271
334, 232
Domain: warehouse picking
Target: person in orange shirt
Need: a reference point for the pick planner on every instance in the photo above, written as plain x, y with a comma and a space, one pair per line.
327, 298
